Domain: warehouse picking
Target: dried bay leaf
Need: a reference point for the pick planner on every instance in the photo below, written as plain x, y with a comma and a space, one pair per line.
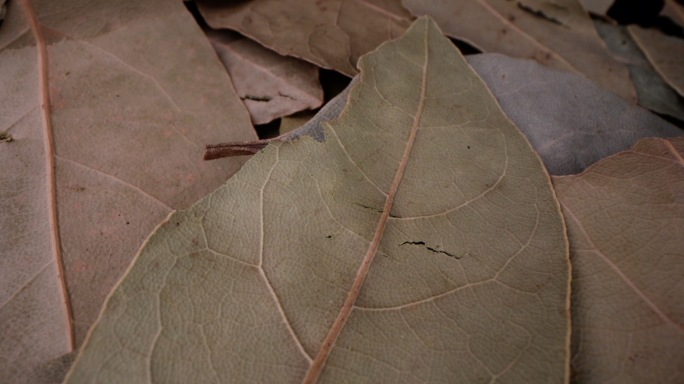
104, 138
666, 53
568, 119
270, 85
652, 91
558, 34
332, 34
625, 217
313, 128
419, 241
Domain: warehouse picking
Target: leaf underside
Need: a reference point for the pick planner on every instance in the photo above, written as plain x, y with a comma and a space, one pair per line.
270, 85
424, 185
652, 91
562, 114
331, 34
624, 217
106, 136
558, 34
666, 53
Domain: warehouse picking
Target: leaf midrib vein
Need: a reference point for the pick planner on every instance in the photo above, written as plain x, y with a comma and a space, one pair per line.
318, 364
49, 145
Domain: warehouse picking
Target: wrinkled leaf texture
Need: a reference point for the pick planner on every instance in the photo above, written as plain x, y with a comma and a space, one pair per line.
435, 199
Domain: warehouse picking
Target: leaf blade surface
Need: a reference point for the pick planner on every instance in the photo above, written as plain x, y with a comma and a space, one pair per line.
560, 113
266, 266
624, 217
569, 120
270, 85
331, 34
558, 34
127, 131
652, 90
664, 52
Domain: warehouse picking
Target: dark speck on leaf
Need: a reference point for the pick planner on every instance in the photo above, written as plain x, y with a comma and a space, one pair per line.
6, 137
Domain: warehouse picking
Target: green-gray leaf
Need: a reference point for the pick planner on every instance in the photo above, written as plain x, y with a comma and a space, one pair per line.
420, 242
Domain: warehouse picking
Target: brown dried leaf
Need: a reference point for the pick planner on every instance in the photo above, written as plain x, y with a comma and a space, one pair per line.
625, 217
332, 34
106, 136
270, 85
569, 120
558, 34
666, 53
653, 92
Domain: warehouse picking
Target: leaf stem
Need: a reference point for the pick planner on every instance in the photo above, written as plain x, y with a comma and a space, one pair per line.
217, 151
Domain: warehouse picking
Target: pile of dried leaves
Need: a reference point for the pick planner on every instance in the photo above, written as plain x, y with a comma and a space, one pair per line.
508, 216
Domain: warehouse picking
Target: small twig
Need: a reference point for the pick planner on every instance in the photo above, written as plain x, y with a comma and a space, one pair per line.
217, 151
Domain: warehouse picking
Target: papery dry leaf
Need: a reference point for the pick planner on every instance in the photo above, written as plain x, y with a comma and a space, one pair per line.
332, 34
270, 85
420, 242
106, 139
569, 120
666, 53
330, 111
652, 91
558, 34
625, 217
313, 128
